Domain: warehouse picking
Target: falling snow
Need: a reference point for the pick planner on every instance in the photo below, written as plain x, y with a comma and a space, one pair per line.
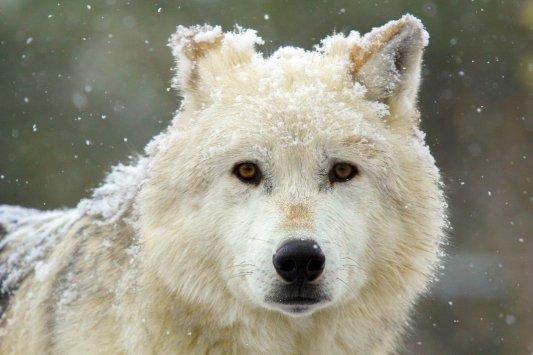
473, 104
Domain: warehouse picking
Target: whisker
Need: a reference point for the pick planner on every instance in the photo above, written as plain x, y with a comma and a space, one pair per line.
242, 274
353, 265
241, 264
344, 282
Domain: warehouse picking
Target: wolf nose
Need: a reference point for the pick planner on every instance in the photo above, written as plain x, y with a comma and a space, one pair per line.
301, 260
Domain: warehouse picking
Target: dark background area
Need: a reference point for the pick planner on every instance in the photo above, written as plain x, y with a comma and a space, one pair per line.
85, 84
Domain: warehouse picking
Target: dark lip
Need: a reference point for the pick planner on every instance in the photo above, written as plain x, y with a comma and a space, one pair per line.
298, 300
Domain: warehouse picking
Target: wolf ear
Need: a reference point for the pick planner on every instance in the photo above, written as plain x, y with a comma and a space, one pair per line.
204, 54
388, 62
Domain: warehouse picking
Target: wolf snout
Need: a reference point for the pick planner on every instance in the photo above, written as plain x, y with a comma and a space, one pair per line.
299, 261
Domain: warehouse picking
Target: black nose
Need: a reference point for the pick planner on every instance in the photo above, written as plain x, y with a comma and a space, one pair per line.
299, 260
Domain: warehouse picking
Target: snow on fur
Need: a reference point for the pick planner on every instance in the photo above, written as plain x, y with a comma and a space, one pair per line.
45, 228
408, 18
107, 205
115, 196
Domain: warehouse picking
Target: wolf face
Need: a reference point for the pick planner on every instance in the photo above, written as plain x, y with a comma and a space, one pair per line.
295, 182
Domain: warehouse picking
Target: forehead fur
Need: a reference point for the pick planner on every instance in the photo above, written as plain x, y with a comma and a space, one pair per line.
294, 94
347, 86
292, 78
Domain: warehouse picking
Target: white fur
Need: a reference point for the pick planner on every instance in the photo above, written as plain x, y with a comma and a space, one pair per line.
184, 249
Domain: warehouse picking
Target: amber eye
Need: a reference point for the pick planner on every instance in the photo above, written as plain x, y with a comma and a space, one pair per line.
248, 173
342, 172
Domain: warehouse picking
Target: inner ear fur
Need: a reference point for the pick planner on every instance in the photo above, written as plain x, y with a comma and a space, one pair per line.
387, 61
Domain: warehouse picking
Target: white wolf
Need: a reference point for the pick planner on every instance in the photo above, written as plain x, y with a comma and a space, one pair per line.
292, 207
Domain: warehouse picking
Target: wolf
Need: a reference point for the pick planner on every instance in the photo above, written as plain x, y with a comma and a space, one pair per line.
291, 207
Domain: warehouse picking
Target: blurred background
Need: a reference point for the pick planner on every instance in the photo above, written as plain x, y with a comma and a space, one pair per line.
85, 84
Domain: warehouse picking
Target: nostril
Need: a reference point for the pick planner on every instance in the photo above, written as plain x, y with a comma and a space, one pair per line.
287, 265
315, 267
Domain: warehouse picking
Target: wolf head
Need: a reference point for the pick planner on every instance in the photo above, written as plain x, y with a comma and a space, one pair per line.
294, 182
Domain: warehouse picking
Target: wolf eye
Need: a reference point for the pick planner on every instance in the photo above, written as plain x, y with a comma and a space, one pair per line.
248, 173
342, 172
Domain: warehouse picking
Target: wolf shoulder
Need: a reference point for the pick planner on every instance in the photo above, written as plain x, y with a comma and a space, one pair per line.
52, 263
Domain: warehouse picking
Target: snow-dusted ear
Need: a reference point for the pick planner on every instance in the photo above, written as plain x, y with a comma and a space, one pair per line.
388, 61
204, 55
189, 45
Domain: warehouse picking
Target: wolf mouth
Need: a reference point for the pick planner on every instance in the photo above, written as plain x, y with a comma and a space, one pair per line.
295, 305
299, 300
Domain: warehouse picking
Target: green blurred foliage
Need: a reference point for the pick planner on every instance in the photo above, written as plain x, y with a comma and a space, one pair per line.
85, 84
